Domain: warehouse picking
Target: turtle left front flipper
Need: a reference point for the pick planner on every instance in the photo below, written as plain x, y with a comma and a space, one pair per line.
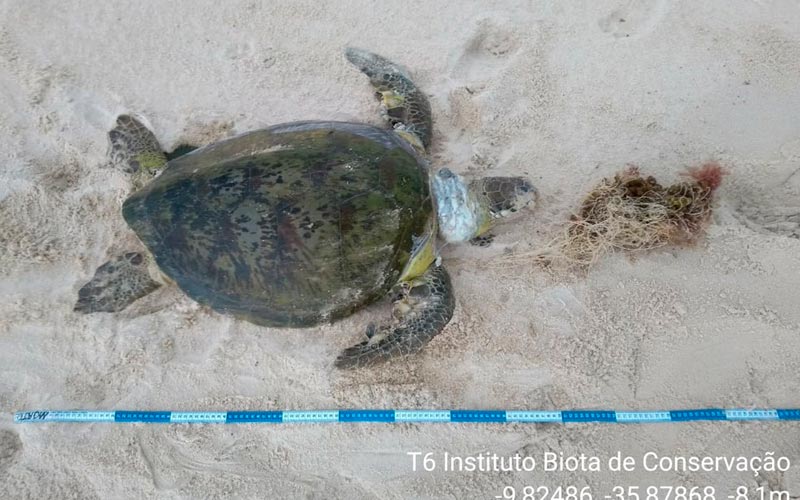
420, 313
404, 105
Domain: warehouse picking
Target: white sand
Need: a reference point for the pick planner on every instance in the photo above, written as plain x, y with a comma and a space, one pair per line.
566, 92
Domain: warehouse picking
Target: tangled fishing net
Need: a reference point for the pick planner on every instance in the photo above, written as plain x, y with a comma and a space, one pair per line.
633, 213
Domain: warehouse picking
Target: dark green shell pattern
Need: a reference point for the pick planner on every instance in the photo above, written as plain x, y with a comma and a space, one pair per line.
287, 226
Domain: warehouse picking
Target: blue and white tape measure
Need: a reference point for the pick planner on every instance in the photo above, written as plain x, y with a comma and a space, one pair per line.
400, 416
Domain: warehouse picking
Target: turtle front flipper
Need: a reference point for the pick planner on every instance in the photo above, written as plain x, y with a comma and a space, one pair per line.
117, 283
405, 106
423, 309
136, 150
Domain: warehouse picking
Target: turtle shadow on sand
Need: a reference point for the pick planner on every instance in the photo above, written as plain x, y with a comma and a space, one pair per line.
10, 448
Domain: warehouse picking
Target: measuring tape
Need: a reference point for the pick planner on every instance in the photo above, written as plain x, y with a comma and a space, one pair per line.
400, 416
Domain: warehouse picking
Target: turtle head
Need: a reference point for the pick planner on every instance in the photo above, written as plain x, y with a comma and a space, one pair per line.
469, 210
504, 198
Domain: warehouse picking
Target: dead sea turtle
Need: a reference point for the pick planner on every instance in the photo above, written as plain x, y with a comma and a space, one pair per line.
305, 222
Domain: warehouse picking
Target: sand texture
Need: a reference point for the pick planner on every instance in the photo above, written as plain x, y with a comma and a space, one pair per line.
564, 92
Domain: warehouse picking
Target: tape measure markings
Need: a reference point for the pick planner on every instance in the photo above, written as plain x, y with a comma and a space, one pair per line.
395, 416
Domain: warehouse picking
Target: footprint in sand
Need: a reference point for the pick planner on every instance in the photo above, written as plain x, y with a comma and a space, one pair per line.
633, 18
201, 131
487, 52
10, 448
475, 66
781, 220
779, 212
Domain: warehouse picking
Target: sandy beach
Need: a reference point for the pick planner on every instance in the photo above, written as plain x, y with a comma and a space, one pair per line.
566, 93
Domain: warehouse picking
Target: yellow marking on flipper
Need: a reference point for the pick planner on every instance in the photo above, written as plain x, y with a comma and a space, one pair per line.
422, 258
485, 225
151, 160
486, 222
392, 99
149, 164
412, 139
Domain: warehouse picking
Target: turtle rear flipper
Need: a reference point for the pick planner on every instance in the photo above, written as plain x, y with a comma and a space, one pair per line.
404, 104
135, 149
421, 313
116, 284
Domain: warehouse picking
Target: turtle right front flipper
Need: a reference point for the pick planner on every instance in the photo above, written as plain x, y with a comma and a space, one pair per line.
420, 314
